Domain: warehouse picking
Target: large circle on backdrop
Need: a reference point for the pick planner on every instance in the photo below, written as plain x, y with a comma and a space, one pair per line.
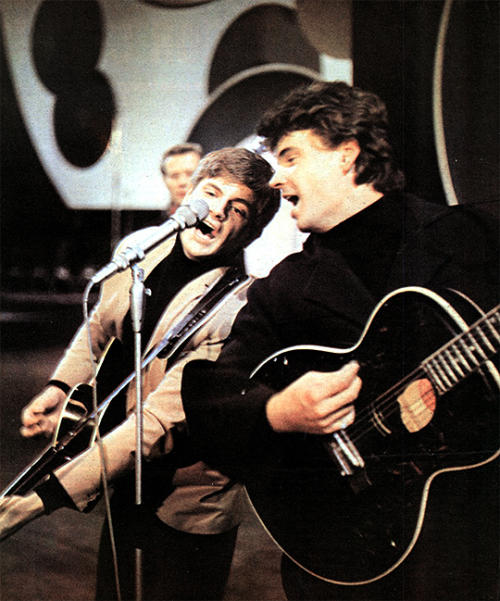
251, 41
67, 39
83, 119
470, 87
232, 113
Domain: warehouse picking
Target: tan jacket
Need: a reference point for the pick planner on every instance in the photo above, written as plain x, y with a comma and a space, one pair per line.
204, 501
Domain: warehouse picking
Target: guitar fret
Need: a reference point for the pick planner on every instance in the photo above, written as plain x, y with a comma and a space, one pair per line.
447, 369
427, 367
461, 356
443, 374
468, 351
477, 349
496, 334
486, 340
496, 314
454, 363
477, 346
435, 375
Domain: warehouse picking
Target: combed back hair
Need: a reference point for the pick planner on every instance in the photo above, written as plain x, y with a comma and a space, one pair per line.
250, 169
184, 148
338, 113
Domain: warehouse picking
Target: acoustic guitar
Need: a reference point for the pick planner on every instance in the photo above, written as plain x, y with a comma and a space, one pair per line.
76, 429
348, 508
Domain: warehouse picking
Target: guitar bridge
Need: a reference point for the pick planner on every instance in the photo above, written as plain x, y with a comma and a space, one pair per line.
342, 450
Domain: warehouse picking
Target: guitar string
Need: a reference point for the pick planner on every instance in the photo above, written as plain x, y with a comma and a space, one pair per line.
365, 422
387, 404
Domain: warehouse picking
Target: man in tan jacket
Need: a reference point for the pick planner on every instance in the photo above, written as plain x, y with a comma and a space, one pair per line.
191, 512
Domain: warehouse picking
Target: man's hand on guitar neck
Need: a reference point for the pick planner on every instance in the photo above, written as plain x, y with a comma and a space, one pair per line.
317, 402
41, 415
16, 512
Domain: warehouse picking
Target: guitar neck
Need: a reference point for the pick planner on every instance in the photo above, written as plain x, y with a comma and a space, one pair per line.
24, 482
465, 353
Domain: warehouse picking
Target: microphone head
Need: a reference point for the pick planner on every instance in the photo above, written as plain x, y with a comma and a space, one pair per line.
191, 213
199, 208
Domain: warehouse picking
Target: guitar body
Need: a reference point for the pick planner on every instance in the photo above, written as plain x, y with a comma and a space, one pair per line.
354, 529
79, 402
75, 432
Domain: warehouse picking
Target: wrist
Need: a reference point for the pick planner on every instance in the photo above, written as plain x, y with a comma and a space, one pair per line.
274, 414
53, 495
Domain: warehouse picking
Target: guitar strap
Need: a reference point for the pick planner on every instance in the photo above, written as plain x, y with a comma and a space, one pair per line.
177, 336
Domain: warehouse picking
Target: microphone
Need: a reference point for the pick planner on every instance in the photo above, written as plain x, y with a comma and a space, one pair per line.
185, 216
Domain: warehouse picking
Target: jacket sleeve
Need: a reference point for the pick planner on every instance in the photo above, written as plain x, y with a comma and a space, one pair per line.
225, 408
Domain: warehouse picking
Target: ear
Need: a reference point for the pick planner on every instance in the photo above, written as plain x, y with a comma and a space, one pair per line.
349, 153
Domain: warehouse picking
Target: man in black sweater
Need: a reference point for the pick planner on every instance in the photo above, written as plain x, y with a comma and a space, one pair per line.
367, 239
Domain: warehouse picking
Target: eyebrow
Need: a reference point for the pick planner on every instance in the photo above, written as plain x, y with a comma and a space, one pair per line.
247, 203
243, 201
210, 184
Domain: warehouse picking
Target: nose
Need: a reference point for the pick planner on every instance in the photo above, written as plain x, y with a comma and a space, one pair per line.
279, 178
183, 181
218, 207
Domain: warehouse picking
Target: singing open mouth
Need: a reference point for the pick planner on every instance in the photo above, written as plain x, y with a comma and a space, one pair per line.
206, 229
294, 199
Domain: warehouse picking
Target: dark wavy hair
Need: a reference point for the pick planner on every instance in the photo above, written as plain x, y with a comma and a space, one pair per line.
252, 170
337, 112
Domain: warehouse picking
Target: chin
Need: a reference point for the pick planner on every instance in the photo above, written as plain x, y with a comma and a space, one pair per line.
303, 226
207, 253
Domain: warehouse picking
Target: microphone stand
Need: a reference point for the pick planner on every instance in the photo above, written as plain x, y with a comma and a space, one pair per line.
137, 302
185, 216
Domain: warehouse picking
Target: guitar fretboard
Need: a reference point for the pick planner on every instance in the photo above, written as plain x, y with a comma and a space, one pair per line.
464, 353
